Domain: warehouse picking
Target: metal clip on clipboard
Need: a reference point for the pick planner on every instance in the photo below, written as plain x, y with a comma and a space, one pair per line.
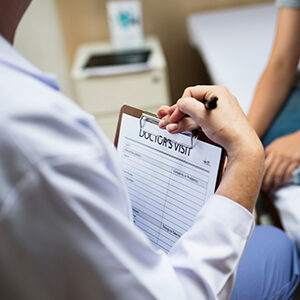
154, 120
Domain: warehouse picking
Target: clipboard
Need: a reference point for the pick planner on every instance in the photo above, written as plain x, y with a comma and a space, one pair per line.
195, 134
164, 183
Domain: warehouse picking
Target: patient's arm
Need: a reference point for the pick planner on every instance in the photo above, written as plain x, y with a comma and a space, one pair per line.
283, 154
279, 75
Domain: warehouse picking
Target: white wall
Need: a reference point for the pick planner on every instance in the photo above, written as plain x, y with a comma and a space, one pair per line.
39, 39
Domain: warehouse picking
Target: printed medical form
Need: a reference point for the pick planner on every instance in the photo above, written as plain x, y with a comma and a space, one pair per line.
168, 181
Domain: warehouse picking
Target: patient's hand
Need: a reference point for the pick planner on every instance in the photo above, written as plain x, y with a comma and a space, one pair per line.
282, 158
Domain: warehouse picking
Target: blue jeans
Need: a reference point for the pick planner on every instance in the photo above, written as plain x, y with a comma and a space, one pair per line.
269, 268
288, 119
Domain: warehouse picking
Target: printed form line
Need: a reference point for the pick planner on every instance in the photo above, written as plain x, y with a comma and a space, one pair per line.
149, 160
137, 165
201, 195
160, 151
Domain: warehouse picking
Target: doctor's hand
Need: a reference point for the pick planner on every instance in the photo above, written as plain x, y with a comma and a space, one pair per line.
227, 126
282, 158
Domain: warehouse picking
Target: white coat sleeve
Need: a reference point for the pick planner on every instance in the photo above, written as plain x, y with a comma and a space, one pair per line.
66, 222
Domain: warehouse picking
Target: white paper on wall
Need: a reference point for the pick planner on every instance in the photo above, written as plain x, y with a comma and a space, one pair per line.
125, 24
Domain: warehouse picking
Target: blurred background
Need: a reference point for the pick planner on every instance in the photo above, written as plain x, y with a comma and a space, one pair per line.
57, 29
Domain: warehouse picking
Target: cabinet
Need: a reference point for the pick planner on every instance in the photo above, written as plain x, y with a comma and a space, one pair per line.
102, 91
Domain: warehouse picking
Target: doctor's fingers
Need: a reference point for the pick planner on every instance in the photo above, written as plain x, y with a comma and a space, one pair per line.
172, 109
201, 92
191, 107
185, 124
197, 92
207, 92
163, 111
164, 121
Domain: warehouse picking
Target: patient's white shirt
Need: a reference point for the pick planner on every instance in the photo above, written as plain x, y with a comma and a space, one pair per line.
66, 229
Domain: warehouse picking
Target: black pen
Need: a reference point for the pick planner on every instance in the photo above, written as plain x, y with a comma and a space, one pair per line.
210, 104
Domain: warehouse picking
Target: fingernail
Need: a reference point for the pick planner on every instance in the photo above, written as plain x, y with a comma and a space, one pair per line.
172, 127
162, 123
